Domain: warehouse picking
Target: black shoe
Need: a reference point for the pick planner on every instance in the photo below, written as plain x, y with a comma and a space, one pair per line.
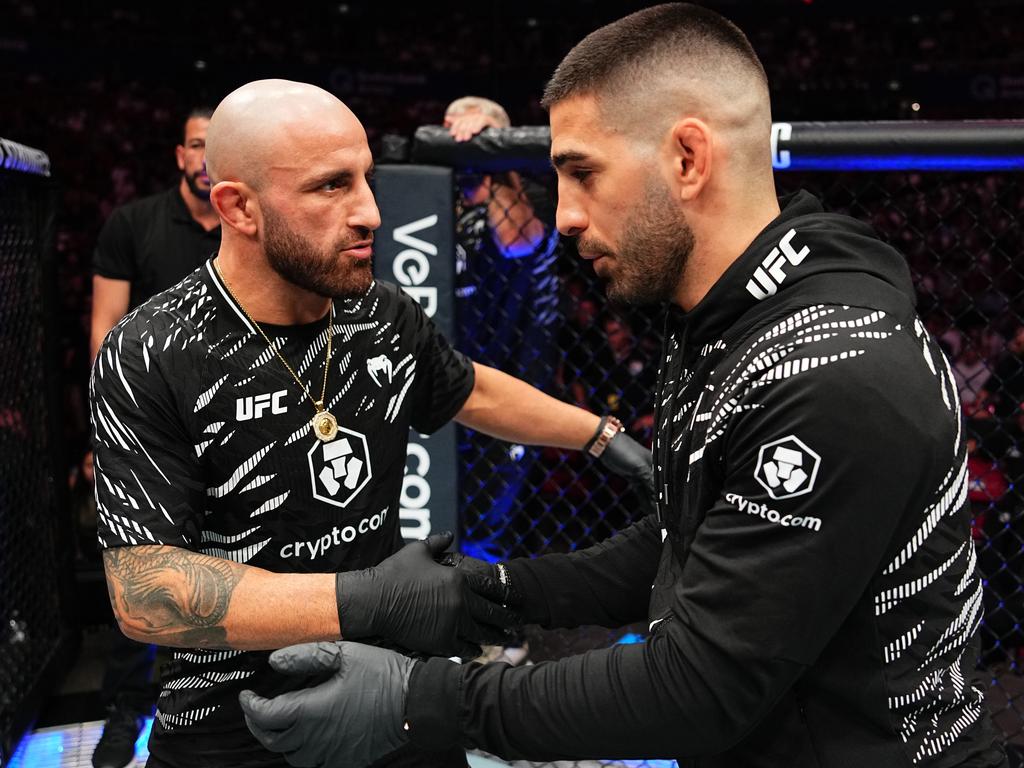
116, 746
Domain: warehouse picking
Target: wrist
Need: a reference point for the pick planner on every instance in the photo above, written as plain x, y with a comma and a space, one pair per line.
356, 598
607, 429
431, 718
534, 608
502, 575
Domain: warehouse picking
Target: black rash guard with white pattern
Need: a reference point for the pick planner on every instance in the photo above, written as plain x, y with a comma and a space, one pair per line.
815, 600
202, 441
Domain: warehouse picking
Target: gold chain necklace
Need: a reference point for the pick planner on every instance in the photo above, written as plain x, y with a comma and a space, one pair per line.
324, 425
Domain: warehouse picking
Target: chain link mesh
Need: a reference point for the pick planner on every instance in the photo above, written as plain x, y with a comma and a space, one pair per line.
526, 303
32, 627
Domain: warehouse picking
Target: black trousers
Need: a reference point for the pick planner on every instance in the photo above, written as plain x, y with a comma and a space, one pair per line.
126, 680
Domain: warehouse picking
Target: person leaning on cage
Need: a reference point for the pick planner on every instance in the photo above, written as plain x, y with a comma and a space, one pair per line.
815, 600
507, 288
514, 207
506, 313
251, 427
146, 246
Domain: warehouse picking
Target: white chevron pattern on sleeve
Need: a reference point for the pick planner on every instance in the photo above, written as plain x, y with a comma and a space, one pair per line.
246, 467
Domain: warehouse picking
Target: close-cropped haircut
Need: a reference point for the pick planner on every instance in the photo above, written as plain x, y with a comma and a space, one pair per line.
621, 57
196, 112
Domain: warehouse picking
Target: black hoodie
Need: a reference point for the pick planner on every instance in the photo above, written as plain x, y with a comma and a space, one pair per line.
815, 600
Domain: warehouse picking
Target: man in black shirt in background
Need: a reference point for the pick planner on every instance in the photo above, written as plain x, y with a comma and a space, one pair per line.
150, 244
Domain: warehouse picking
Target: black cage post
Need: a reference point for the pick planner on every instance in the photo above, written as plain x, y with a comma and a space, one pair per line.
37, 636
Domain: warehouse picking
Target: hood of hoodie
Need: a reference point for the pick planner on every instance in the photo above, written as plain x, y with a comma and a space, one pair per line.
799, 252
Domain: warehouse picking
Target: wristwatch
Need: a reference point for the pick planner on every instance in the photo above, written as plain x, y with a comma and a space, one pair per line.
606, 430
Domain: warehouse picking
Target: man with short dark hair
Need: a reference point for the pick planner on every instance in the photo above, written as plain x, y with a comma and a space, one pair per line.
150, 244
815, 600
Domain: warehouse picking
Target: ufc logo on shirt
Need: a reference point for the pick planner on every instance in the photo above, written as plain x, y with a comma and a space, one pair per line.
770, 275
253, 407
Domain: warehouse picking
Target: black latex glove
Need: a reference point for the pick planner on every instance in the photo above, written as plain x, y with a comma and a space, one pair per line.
421, 605
627, 458
351, 719
510, 596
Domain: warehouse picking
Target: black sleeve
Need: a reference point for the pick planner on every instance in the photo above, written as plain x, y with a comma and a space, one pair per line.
148, 486
607, 584
115, 250
443, 379
769, 580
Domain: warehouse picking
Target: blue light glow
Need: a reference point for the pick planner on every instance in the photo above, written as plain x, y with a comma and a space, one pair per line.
479, 551
40, 750
904, 163
142, 743
630, 638
70, 745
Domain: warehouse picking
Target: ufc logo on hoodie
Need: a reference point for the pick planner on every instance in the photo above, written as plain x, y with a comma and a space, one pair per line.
770, 275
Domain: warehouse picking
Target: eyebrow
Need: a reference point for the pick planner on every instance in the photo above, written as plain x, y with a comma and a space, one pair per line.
345, 176
571, 156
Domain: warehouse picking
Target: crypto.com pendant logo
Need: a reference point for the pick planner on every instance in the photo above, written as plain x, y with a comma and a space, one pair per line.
787, 468
340, 469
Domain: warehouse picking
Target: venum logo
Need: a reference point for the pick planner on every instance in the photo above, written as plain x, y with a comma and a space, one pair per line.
252, 407
770, 275
379, 365
340, 469
787, 468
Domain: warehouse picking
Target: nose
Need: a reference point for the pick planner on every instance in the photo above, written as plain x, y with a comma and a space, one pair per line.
570, 216
365, 214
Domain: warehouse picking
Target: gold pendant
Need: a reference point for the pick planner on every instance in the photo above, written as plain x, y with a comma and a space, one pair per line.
325, 426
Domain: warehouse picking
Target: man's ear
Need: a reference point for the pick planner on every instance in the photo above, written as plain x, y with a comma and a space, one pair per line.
236, 205
692, 145
179, 155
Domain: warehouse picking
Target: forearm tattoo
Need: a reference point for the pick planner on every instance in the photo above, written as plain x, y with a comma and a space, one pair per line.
170, 596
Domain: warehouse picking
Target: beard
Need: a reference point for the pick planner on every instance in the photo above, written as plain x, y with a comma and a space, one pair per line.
657, 243
192, 179
324, 272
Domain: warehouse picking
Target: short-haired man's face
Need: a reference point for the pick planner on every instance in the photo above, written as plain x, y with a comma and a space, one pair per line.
191, 156
617, 205
318, 210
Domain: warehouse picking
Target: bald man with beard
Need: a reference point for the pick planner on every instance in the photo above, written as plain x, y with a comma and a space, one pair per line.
810, 581
249, 456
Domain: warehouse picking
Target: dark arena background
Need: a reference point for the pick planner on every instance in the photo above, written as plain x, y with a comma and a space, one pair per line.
903, 115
